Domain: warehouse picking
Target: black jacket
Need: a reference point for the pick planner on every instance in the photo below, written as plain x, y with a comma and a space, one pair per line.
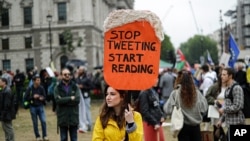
7, 105
87, 85
67, 109
150, 107
29, 95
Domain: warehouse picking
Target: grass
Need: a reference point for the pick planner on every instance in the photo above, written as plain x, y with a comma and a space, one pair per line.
23, 128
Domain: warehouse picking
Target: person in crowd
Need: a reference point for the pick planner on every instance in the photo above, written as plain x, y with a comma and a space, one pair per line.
166, 84
152, 115
193, 105
215, 96
117, 121
85, 85
208, 80
7, 110
46, 81
241, 79
51, 87
8, 77
248, 72
232, 111
36, 97
18, 82
67, 97
240, 75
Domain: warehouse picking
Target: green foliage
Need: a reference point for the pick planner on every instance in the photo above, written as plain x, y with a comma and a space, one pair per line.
167, 49
197, 46
68, 38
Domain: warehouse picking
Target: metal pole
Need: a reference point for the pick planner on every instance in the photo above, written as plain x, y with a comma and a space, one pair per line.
50, 42
221, 33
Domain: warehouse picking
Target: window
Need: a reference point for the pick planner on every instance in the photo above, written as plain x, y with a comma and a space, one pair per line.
61, 40
28, 42
5, 44
27, 12
29, 64
6, 65
5, 17
62, 11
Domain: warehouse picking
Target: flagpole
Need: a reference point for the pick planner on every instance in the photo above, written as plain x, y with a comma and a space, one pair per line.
221, 33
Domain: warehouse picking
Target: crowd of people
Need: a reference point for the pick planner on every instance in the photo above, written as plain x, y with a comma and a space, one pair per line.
195, 90
66, 90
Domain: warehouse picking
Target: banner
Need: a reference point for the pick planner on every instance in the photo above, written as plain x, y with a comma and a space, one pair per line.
209, 58
224, 59
234, 51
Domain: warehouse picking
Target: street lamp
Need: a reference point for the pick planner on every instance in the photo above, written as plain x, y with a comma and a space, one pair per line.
49, 19
221, 33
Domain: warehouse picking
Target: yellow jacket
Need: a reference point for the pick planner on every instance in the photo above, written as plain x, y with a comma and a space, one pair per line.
113, 133
248, 75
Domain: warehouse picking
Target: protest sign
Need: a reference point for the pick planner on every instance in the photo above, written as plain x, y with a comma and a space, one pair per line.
131, 56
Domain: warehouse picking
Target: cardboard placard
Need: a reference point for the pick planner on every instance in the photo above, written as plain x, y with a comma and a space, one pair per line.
131, 56
50, 72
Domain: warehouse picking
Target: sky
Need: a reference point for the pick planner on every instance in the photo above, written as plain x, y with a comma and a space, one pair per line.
182, 19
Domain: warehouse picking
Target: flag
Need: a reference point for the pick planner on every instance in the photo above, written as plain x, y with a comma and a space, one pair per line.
181, 61
180, 56
234, 51
209, 58
187, 66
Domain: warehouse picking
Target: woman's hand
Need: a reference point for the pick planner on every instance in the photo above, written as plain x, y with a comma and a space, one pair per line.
157, 126
129, 114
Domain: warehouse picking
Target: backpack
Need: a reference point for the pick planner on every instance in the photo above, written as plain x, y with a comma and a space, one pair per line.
246, 105
26, 103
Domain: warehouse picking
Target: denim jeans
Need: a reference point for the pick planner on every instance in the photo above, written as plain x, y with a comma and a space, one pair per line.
38, 111
88, 112
72, 133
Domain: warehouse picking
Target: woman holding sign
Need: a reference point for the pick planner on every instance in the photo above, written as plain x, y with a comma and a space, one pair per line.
116, 122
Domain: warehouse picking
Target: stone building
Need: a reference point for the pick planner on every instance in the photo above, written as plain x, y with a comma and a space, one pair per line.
26, 30
240, 26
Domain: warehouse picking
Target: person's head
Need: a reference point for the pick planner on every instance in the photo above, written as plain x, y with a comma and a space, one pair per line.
240, 66
188, 90
66, 76
227, 75
17, 71
205, 68
82, 70
114, 106
114, 98
3, 82
36, 80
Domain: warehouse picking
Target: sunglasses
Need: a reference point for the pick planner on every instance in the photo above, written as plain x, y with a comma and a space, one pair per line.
66, 74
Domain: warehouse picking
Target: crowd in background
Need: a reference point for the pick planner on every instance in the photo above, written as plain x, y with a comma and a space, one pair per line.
207, 79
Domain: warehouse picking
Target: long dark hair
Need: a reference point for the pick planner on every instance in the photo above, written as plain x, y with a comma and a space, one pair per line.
108, 113
188, 91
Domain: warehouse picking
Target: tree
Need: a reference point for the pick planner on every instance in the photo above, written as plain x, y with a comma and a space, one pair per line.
68, 39
198, 46
167, 50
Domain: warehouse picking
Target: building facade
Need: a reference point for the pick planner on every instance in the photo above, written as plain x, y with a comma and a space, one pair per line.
31, 31
240, 26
